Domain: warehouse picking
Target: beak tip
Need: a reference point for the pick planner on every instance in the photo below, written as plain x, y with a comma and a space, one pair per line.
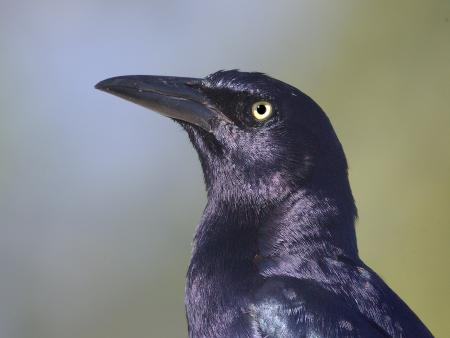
101, 86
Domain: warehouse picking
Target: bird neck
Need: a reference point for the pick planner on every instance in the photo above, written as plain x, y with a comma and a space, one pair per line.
312, 222
237, 246
312, 225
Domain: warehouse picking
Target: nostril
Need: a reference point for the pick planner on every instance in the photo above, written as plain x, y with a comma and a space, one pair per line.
194, 84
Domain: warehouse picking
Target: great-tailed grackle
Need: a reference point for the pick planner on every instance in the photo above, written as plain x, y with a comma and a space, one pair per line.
275, 252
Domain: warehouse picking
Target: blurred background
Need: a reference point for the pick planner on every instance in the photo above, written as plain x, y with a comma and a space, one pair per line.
99, 198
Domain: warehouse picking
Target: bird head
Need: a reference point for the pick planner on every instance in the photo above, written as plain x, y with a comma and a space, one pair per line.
258, 139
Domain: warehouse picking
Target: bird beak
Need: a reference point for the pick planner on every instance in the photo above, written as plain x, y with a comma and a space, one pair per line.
175, 97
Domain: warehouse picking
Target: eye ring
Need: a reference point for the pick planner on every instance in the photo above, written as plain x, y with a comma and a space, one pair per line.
262, 110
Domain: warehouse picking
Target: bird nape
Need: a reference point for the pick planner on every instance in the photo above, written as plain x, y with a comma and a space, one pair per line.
275, 252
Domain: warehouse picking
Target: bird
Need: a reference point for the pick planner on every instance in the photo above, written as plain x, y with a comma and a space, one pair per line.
275, 251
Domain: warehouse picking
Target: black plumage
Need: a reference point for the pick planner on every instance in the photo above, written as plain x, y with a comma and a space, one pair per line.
275, 252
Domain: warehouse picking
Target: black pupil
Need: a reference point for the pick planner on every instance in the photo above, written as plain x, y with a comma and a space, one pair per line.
261, 109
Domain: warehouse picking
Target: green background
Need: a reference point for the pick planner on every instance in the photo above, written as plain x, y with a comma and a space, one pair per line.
99, 198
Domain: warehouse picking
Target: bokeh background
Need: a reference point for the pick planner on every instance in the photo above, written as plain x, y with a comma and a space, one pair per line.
99, 198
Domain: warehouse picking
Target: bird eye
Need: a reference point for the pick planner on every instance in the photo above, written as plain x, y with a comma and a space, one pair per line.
261, 110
